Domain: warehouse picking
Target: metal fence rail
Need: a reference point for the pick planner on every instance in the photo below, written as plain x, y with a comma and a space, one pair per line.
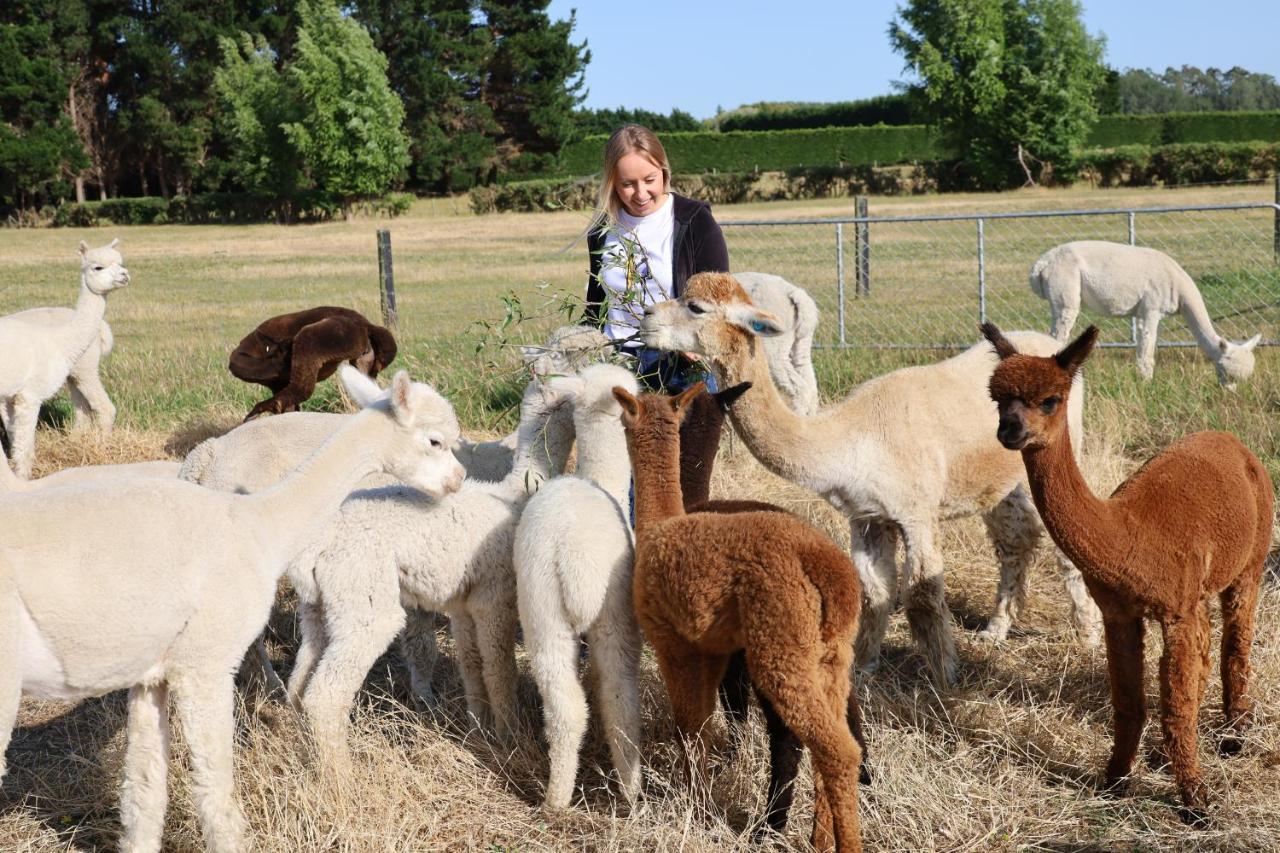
927, 281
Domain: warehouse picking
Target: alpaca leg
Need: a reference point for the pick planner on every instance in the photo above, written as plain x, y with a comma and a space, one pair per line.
1124, 638
494, 614
1085, 615
357, 640
310, 648
419, 649
1239, 608
873, 546
144, 792
691, 678
735, 698
1180, 676
1065, 308
926, 605
1148, 325
615, 653
256, 670
1014, 528
470, 666
785, 751
88, 397
205, 706
10, 655
553, 658
22, 435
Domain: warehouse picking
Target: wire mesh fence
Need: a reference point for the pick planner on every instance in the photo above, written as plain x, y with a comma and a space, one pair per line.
927, 281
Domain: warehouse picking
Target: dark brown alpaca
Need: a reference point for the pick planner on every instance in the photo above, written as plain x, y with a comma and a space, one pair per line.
707, 584
1193, 522
290, 353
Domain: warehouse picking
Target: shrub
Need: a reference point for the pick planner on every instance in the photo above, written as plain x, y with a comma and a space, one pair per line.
885, 109
1143, 165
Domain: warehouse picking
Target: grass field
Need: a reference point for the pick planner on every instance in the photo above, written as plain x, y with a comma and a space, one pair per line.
1007, 761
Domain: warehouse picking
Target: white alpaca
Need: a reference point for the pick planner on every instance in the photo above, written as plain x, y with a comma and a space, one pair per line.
391, 546
165, 469
902, 451
36, 359
89, 399
789, 352
574, 553
1118, 280
158, 586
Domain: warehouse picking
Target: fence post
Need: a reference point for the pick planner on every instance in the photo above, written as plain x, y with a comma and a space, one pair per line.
1133, 241
1277, 216
982, 272
864, 247
386, 281
840, 277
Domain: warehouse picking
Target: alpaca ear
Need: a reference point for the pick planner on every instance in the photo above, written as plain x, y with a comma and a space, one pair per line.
528, 353
682, 400
1252, 342
401, 388
1073, 354
1004, 348
115, 241
729, 396
630, 405
756, 321
84, 247
359, 387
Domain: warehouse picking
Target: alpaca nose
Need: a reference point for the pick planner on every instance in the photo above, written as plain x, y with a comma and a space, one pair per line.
1011, 433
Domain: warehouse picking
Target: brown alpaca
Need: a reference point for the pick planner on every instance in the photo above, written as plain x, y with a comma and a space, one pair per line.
707, 584
290, 353
1193, 522
699, 443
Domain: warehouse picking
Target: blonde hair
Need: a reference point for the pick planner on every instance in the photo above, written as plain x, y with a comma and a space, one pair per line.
628, 139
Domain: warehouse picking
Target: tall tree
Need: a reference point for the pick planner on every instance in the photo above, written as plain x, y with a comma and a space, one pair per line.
534, 82
1189, 89
437, 52
1011, 83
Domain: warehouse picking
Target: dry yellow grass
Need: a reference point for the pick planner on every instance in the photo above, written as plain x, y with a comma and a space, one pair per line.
1009, 761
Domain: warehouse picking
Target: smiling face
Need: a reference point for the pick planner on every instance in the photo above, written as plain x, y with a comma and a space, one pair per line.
639, 184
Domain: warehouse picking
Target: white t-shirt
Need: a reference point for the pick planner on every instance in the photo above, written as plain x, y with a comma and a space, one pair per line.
642, 246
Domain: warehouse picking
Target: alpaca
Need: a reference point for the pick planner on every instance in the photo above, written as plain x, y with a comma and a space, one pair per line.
390, 547
789, 353
1119, 280
35, 360
163, 468
290, 353
89, 400
707, 584
158, 586
888, 480
1193, 522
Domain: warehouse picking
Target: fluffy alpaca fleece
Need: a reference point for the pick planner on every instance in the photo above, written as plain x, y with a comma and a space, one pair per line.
290, 353
573, 556
35, 359
1118, 280
901, 452
707, 584
790, 352
1195, 521
157, 586
390, 546
165, 469
89, 399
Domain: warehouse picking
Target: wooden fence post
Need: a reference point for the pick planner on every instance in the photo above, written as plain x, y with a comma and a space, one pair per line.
386, 280
863, 257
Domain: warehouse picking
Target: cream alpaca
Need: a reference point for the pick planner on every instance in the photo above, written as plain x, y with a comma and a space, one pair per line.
158, 586
789, 352
89, 399
901, 452
35, 360
390, 546
573, 558
1118, 280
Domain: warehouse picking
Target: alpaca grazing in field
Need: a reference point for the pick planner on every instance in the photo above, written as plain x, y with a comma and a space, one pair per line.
1193, 522
707, 584
36, 359
1119, 280
158, 586
290, 353
888, 480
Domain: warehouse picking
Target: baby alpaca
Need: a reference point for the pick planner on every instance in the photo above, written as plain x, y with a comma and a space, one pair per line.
1118, 280
573, 556
158, 586
35, 360
89, 399
1193, 522
708, 584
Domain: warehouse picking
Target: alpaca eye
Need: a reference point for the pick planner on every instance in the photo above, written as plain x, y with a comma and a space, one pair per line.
437, 444
758, 326
695, 308
1050, 405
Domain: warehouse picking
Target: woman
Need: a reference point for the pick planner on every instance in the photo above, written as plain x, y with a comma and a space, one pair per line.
644, 243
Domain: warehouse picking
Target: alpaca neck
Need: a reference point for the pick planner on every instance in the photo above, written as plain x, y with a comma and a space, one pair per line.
295, 511
542, 448
75, 337
768, 426
602, 455
1084, 527
1191, 304
655, 463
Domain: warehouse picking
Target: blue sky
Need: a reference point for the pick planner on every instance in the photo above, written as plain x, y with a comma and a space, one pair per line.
700, 54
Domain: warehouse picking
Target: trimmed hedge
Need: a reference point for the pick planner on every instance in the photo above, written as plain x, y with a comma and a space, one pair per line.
774, 150
212, 208
1144, 165
885, 109
1174, 128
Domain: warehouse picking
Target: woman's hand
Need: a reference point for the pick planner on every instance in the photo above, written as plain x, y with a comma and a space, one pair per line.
692, 356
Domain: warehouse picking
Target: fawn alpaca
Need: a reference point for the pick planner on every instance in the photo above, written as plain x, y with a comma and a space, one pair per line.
1194, 521
707, 584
